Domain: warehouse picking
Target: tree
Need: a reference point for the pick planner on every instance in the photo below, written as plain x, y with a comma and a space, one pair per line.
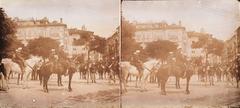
42, 46
128, 43
85, 37
215, 47
160, 49
98, 44
210, 44
8, 41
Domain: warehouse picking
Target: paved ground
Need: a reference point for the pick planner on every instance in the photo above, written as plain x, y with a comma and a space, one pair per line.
105, 95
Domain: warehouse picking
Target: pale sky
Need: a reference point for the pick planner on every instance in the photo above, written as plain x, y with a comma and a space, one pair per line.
218, 17
99, 16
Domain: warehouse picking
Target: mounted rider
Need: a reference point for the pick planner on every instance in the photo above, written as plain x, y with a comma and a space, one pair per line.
53, 57
17, 58
136, 61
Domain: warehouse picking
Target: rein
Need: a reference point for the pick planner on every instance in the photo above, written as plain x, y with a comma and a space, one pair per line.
30, 66
150, 70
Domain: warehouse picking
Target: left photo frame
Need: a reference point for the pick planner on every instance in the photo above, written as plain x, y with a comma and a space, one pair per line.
59, 54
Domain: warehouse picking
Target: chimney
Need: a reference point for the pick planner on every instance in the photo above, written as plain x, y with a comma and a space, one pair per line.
61, 20
202, 30
180, 23
83, 27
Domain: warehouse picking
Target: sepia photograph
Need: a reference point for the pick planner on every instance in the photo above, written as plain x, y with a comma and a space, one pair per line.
180, 53
59, 53
119, 54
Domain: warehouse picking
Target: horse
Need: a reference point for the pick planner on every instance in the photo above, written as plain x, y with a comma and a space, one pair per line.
167, 70
128, 69
59, 68
12, 67
149, 69
3, 74
82, 67
114, 71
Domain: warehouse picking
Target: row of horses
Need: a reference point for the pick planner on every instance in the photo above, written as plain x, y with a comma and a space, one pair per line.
37, 68
110, 70
155, 70
162, 71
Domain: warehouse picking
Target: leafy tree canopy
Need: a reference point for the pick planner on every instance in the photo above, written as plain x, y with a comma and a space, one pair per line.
128, 43
160, 49
42, 46
8, 41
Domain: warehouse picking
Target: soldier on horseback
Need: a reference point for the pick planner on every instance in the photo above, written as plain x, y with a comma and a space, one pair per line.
17, 58
137, 61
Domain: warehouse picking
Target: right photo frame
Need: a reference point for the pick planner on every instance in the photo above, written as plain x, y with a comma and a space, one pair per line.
180, 54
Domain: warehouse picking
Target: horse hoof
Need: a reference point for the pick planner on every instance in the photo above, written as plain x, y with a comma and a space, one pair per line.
69, 90
163, 93
187, 92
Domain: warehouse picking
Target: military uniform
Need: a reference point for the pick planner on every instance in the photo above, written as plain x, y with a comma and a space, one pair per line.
19, 60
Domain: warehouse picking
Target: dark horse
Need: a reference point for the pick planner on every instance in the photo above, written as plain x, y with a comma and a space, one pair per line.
4, 73
179, 71
59, 68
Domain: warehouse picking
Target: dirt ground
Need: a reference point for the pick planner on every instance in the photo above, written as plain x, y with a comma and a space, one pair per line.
105, 95
84, 95
220, 95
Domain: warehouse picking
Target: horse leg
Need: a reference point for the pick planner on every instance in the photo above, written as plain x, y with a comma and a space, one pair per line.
69, 82
40, 79
187, 87
159, 81
124, 81
127, 77
60, 80
237, 80
1, 86
44, 83
94, 76
47, 82
22, 76
136, 85
176, 82
163, 91
18, 79
114, 78
80, 76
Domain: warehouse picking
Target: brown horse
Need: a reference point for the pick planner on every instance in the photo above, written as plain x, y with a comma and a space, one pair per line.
166, 70
58, 68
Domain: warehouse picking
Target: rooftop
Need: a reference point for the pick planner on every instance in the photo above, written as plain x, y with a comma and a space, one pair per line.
38, 22
158, 25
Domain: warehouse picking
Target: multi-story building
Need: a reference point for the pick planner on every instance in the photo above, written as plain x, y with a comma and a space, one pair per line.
200, 51
149, 32
194, 38
231, 48
32, 29
75, 34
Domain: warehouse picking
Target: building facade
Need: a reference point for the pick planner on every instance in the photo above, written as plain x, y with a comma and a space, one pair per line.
32, 29
231, 48
194, 38
74, 49
149, 32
